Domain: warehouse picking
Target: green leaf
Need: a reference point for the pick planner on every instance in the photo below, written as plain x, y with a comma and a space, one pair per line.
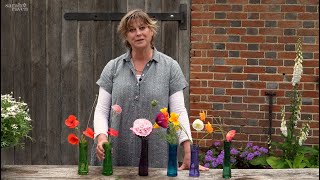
297, 162
275, 162
289, 163
261, 160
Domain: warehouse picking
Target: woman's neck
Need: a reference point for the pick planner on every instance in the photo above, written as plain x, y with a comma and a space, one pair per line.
142, 54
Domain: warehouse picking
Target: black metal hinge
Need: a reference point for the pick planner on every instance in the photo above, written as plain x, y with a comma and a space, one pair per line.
181, 16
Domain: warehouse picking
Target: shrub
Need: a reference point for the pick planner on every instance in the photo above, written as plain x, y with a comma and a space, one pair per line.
241, 158
15, 121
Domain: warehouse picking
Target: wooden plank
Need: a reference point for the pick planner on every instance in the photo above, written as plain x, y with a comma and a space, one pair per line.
184, 53
136, 4
85, 67
155, 6
53, 58
39, 80
118, 46
102, 52
69, 79
7, 47
103, 43
70, 172
7, 54
170, 41
22, 71
170, 30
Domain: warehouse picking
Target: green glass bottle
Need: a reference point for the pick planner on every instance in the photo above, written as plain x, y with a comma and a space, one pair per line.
83, 168
107, 169
226, 160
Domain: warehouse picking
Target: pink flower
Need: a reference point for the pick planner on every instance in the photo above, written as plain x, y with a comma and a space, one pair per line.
116, 108
141, 127
230, 135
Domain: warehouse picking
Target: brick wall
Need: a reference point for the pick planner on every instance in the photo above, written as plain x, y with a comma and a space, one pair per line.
241, 49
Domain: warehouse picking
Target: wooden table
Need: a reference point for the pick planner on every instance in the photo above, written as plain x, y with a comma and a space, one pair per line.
70, 172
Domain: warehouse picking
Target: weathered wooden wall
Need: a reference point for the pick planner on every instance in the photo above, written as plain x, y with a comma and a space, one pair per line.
53, 64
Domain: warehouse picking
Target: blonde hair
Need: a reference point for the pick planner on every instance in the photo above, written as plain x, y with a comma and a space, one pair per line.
123, 27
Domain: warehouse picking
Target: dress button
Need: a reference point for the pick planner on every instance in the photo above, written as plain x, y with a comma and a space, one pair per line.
148, 64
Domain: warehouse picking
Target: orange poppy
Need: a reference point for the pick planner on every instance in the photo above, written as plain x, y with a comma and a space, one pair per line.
209, 128
89, 133
73, 139
72, 121
113, 132
202, 115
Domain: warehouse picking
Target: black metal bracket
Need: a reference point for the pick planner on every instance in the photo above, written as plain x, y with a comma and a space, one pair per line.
270, 94
181, 16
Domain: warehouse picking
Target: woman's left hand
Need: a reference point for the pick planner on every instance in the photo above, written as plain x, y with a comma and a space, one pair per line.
187, 156
186, 164
186, 167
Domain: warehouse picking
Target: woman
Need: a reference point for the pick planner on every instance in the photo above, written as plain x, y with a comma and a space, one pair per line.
132, 81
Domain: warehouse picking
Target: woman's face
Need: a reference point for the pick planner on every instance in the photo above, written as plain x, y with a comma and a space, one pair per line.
139, 35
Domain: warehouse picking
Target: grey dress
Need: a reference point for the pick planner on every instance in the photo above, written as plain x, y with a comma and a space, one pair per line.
161, 77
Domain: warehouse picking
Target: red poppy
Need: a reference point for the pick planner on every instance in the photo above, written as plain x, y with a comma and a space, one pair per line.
73, 139
113, 132
89, 133
72, 121
161, 120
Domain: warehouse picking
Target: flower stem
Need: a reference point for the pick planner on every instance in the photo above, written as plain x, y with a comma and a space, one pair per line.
184, 130
220, 126
94, 102
204, 137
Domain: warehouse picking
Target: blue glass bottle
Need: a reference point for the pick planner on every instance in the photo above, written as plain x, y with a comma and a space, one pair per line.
172, 169
194, 163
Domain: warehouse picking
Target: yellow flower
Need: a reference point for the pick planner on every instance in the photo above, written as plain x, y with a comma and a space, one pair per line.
156, 126
172, 124
164, 110
202, 116
174, 118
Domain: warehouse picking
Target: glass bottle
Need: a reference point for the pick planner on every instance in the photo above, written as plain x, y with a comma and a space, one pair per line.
194, 162
143, 163
172, 169
226, 160
83, 159
107, 169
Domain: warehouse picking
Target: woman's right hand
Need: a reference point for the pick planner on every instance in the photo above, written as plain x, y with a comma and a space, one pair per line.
102, 138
